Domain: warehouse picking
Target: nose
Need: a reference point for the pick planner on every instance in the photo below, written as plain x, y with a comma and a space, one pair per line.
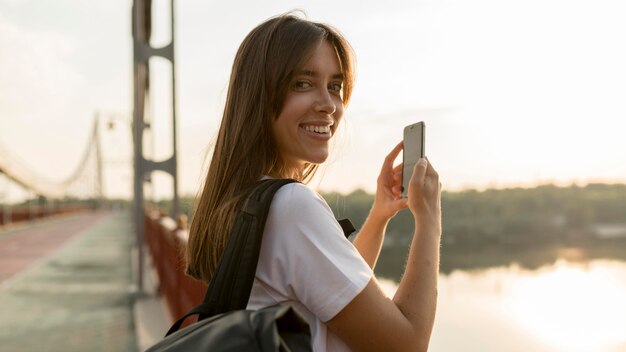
325, 103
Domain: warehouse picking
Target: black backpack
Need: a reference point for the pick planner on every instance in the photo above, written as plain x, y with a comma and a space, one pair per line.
223, 323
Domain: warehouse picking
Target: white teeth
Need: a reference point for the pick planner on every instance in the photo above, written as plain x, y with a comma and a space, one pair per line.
317, 129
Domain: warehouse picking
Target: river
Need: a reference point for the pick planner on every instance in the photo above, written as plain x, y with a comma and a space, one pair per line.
574, 300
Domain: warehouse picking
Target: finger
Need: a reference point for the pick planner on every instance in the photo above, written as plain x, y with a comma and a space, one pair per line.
397, 176
401, 203
419, 171
432, 174
397, 180
397, 168
430, 171
391, 157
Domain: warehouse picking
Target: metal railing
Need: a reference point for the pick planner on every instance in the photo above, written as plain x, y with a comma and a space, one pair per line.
166, 241
18, 214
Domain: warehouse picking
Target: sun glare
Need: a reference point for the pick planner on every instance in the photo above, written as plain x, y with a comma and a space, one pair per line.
572, 307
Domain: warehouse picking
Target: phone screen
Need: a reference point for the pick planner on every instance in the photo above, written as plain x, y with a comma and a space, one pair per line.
413, 150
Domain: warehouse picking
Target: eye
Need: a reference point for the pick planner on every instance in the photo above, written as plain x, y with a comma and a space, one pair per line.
301, 85
336, 87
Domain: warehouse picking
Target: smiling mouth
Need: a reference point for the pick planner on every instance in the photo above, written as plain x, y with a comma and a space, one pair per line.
317, 129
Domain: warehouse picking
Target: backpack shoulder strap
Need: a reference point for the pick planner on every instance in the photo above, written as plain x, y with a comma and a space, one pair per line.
231, 285
232, 282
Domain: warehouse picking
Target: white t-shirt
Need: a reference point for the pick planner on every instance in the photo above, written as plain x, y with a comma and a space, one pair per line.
307, 262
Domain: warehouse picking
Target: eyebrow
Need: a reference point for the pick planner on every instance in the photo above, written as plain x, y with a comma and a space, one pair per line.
312, 73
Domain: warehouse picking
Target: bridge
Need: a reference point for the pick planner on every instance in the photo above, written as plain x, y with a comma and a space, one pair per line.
78, 273
49, 197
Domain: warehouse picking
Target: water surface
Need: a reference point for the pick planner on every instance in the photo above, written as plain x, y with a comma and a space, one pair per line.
571, 304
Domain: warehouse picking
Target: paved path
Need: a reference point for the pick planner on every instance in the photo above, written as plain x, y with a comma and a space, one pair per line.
73, 289
21, 247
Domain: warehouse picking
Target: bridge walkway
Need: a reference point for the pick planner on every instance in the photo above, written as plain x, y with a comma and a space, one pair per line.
67, 285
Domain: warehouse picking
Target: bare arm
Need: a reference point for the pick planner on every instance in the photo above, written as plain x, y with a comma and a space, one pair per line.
372, 321
386, 205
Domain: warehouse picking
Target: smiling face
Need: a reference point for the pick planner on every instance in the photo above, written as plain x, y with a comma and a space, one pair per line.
311, 111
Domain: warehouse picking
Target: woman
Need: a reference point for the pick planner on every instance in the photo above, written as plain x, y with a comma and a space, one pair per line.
290, 82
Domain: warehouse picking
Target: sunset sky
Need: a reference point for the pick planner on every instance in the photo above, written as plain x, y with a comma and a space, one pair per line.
513, 93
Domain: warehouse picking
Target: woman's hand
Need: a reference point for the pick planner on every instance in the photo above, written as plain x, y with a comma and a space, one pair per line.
406, 321
389, 199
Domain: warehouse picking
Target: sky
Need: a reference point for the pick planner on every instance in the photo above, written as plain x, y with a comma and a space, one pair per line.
513, 93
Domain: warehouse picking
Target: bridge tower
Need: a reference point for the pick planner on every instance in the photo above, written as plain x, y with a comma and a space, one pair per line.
142, 52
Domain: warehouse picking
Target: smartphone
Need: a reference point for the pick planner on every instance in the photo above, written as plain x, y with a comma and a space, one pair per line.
413, 150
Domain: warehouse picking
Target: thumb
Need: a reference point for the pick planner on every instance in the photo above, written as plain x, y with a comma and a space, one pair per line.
419, 171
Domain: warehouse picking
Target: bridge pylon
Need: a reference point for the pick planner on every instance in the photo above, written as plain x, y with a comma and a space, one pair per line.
143, 167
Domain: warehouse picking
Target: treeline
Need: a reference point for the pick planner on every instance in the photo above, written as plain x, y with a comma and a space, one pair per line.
541, 214
546, 213
527, 226
481, 229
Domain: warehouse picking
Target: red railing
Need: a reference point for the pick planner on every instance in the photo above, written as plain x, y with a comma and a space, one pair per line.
166, 241
19, 214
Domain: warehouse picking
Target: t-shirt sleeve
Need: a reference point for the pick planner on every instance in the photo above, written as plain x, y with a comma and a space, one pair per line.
305, 255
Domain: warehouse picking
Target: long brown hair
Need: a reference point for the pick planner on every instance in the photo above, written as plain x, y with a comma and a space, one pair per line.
245, 150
